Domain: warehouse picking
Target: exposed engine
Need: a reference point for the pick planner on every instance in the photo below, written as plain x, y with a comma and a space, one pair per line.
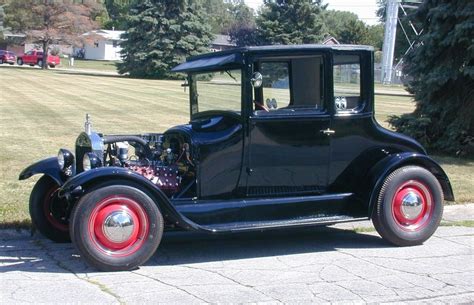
164, 159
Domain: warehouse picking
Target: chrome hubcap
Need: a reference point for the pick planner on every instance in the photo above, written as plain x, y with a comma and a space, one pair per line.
118, 226
412, 205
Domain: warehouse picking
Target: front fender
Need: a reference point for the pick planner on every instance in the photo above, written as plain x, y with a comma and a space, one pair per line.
80, 183
49, 167
387, 165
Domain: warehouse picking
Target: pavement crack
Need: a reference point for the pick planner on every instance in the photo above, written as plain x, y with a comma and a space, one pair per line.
60, 264
235, 281
171, 285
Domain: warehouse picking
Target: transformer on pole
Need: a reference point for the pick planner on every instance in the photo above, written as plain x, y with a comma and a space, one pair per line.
390, 34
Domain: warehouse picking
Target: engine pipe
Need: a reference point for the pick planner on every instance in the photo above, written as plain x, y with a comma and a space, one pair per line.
138, 140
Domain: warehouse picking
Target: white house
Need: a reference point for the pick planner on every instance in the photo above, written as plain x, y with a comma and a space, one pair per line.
104, 45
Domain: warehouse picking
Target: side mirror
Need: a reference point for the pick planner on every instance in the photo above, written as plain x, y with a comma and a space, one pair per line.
256, 80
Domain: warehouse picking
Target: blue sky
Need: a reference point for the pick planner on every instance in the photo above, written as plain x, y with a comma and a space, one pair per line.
365, 9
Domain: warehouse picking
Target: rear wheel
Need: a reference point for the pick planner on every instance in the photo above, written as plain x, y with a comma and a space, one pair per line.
116, 227
409, 206
1, 61
19, 61
48, 212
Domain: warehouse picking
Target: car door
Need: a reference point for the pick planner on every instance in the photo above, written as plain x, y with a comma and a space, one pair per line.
289, 131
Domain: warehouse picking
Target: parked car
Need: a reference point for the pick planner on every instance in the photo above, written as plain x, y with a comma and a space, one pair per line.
35, 57
279, 137
7, 57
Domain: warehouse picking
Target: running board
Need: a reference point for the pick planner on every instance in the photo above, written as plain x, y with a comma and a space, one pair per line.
268, 225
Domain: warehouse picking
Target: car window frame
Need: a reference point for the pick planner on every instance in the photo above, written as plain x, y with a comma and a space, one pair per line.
257, 93
365, 102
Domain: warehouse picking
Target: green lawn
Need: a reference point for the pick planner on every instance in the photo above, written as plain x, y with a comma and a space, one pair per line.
81, 64
42, 111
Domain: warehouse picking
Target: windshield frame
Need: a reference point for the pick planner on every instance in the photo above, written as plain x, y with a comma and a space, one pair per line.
194, 96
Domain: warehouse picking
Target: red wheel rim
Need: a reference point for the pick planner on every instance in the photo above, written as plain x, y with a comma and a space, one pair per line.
50, 199
412, 205
118, 226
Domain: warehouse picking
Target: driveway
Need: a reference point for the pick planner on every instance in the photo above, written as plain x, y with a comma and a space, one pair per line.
306, 266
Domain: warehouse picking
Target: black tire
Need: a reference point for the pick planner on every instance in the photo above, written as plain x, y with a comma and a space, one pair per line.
52, 66
95, 208
406, 225
48, 212
1, 61
40, 63
19, 61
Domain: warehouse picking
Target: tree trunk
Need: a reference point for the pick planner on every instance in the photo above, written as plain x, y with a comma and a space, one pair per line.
44, 66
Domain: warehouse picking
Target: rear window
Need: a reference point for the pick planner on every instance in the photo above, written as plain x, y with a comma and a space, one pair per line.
347, 83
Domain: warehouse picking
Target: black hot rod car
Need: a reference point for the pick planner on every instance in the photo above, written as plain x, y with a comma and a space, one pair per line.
279, 136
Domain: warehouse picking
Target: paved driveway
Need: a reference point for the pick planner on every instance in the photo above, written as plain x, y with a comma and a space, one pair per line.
311, 266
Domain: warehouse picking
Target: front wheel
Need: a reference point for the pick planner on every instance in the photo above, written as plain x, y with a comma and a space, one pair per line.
116, 227
48, 212
40, 63
409, 206
19, 61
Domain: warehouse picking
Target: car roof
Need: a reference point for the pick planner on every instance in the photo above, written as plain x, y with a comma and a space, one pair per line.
233, 57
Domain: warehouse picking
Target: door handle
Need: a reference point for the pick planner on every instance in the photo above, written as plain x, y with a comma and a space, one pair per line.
328, 131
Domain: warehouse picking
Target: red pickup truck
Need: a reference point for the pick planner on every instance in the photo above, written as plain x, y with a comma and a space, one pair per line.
35, 57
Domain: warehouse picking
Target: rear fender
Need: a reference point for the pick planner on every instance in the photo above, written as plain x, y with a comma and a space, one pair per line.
78, 185
49, 167
387, 165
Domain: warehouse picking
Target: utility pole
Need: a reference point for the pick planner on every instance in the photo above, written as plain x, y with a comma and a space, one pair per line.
390, 34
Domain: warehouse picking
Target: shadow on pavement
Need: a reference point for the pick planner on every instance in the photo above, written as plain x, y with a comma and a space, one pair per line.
37, 254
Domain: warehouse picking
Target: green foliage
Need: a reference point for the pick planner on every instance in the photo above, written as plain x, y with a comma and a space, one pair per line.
291, 22
160, 35
346, 27
243, 32
117, 11
441, 67
227, 16
375, 36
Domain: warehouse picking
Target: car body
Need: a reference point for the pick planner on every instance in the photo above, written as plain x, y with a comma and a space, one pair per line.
7, 57
35, 57
279, 137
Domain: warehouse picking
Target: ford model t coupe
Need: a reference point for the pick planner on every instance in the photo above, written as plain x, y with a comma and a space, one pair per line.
279, 136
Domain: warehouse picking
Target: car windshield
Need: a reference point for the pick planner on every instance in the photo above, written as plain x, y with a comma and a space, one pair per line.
219, 90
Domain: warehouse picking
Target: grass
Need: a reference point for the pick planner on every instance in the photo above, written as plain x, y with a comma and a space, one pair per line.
42, 111
461, 223
81, 64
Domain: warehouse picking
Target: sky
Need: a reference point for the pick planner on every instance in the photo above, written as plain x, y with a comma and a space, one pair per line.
365, 9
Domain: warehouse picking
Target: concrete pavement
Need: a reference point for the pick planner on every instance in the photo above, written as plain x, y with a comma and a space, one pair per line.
318, 265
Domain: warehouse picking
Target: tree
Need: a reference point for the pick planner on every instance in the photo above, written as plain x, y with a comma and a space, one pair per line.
442, 69
49, 22
375, 35
161, 33
291, 22
243, 31
117, 11
345, 27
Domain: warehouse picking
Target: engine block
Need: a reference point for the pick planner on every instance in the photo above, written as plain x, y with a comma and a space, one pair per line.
164, 177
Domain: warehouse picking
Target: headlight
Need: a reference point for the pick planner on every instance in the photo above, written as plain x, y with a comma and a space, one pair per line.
90, 161
65, 158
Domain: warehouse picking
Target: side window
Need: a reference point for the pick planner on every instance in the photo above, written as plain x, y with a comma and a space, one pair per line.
347, 88
293, 85
29, 53
275, 86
